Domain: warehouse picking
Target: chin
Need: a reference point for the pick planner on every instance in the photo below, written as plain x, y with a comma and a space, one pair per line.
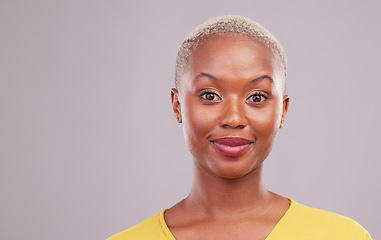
235, 170
231, 175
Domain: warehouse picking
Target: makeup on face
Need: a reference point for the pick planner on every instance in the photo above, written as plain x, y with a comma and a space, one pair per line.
231, 104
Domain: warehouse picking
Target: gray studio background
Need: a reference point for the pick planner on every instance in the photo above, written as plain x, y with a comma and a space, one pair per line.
88, 143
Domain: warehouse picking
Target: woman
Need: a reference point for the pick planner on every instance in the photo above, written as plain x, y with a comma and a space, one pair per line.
230, 98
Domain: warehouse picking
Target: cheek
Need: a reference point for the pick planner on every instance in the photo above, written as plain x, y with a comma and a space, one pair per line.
266, 121
198, 121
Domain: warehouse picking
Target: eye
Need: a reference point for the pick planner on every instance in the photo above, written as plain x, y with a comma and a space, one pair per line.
210, 96
257, 98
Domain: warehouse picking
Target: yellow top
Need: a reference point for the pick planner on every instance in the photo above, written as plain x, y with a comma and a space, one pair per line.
299, 222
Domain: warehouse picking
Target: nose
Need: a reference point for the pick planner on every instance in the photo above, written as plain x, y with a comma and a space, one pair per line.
233, 115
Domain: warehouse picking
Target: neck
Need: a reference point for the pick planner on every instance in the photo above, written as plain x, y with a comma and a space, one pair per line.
214, 195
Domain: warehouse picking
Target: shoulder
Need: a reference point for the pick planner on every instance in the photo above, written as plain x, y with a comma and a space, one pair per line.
308, 220
149, 229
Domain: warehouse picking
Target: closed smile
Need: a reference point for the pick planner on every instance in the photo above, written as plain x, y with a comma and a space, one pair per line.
232, 146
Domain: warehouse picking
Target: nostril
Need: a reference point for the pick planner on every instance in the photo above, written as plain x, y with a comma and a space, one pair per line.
234, 123
233, 115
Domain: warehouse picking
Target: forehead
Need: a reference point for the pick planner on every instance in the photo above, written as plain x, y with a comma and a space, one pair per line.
232, 50
234, 55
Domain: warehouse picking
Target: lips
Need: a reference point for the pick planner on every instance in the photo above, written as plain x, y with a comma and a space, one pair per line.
232, 146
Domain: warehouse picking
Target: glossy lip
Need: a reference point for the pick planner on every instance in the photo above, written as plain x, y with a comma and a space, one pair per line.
231, 146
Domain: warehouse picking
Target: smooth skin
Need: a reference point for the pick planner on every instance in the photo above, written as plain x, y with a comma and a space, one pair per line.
233, 87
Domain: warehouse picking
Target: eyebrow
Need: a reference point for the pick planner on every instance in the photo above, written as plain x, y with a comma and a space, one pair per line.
205, 75
263, 77
254, 80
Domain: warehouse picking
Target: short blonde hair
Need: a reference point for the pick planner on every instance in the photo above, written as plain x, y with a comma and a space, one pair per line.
223, 25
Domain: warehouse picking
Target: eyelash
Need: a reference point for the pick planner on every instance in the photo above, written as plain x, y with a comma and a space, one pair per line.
264, 96
205, 92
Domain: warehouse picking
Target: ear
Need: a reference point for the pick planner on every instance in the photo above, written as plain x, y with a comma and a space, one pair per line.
286, 101
176, 104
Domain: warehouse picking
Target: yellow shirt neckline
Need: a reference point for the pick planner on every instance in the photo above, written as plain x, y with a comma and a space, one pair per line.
272, 234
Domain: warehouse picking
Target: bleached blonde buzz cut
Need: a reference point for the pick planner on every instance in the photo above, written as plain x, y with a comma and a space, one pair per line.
222, 25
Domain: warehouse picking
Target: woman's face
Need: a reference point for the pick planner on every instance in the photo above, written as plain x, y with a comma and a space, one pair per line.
231, 104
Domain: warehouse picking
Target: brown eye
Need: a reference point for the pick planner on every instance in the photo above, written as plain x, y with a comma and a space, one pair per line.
257, 98
210, 96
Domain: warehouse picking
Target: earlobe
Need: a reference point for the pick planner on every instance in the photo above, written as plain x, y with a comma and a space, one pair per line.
286, 101
176, 105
